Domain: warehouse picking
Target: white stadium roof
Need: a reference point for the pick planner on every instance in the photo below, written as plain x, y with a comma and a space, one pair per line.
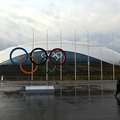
95, 51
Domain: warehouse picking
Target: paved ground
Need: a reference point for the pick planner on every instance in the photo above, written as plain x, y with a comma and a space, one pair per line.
72, 100
51, 107
65, 87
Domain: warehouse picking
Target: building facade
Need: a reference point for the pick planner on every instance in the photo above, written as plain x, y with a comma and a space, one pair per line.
82, 61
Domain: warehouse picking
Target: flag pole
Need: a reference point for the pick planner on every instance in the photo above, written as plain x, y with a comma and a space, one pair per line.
101, 64
47, 54
88, 64
75, 61
32, 48
61, 76
61, 56
113, 59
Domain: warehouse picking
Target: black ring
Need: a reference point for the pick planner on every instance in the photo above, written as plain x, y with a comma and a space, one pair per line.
43, 51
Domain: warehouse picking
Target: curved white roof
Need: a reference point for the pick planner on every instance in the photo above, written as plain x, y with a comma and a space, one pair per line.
107, 55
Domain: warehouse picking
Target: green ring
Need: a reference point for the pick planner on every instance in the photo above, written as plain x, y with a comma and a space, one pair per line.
43, 70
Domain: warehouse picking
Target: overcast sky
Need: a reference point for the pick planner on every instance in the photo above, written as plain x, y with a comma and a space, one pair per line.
19, 17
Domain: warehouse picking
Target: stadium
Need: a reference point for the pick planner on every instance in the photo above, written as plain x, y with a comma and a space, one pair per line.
83, 61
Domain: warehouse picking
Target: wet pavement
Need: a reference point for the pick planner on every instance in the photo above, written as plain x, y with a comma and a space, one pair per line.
67, 87
51, 107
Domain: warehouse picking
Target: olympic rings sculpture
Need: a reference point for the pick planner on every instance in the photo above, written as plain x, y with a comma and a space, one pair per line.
44, 59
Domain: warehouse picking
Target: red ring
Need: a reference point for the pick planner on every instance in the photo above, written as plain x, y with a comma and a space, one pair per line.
51, 60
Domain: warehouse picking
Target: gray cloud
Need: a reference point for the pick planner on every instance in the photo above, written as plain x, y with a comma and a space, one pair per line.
18, 20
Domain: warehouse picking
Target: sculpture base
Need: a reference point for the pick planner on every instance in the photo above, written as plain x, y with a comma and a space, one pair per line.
40, 89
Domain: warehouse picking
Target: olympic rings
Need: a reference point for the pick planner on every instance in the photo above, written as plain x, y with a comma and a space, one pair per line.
48, 72
17, 64
45, 56
31, 72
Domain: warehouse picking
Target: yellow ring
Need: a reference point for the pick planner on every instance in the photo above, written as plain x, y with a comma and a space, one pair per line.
26, 72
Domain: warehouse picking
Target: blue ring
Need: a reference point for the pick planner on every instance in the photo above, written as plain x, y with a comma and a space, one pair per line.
17, 64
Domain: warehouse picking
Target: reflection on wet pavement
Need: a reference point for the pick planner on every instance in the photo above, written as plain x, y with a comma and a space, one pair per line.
50, 107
